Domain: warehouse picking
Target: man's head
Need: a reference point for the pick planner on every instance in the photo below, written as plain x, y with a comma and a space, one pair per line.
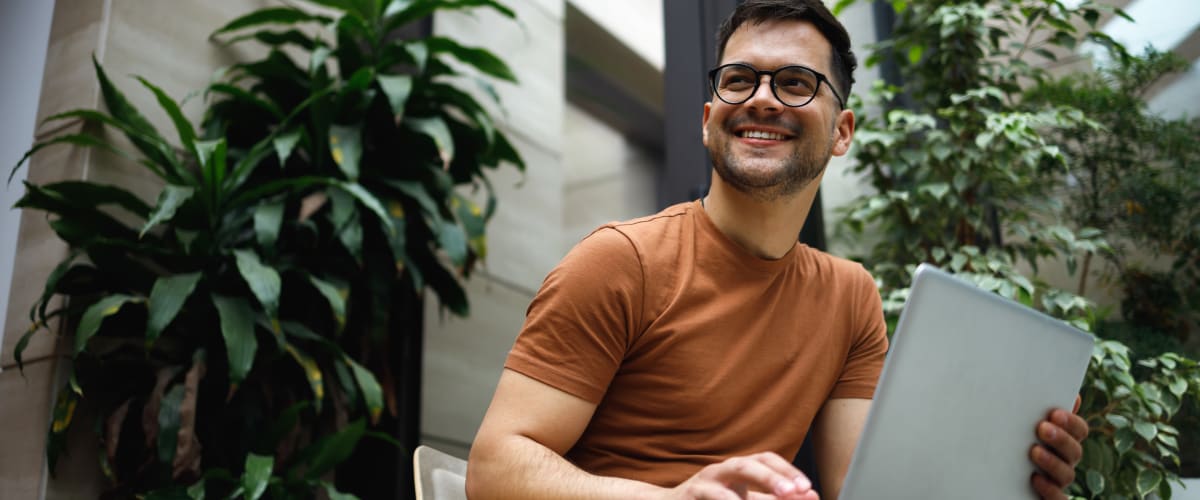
842, 60
769, 129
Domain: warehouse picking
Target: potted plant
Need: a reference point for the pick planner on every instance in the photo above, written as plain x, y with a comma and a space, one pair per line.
238, 335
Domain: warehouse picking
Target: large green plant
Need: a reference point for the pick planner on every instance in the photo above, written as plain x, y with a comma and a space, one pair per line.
232, 338
1139, 182
956, 162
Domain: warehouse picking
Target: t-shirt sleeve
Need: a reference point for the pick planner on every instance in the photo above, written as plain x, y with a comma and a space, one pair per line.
869, 346
582, 320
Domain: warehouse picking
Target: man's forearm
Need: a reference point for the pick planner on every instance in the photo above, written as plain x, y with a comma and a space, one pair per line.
516, 467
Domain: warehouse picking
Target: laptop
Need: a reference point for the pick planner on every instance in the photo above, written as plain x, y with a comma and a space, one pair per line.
968, 377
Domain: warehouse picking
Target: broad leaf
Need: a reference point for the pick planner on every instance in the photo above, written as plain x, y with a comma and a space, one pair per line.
437, 131
169, 200
257, 474
81, 139
272, 15
168, 424
268, 218
63, 414
312, 373
453, 240
211, 155
89, 324
284, 144
136, 127
481, 59
187, 134
368, 200
237, 328
331, 450
264, 281
372, 392
166, 299
397, 89
345, 146
335, 296
90, 194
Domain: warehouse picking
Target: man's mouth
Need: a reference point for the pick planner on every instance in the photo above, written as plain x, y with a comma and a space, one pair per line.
761, 134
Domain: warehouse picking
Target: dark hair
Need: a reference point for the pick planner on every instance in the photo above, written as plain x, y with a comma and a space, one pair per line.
842, 60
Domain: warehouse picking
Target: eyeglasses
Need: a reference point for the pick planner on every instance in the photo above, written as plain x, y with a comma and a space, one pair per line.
794, 86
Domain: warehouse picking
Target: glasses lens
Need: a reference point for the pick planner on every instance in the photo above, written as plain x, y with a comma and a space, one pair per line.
734, 83
795, 86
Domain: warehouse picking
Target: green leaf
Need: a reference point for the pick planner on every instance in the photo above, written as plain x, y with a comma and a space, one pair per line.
244, 96
336, 298
257, 474
168, 424
187, 134
312, 373
166, 299
237, 328
397, 89
89, 324
345, 145
169, 200
272, 15
268, 218
60, 423
331, 450
453, 240
372, 392
1095, 482
1145, 429
90, 194
211, 155
286, 142
136, 127
368, 200
1124, 439
1147, 481
264, 281
334, 494
437, 130
481, 59
83, 140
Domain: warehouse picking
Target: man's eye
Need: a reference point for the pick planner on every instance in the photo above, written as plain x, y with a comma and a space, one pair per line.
737, 81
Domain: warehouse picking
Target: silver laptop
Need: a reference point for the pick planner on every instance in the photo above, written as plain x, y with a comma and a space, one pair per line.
968, 377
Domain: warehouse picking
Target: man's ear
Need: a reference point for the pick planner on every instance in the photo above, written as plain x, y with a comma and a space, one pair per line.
704, 124
843, 131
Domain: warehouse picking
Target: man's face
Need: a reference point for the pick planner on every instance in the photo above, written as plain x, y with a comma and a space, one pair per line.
761, 147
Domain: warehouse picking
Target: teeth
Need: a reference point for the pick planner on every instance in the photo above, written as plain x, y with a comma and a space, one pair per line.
758, 134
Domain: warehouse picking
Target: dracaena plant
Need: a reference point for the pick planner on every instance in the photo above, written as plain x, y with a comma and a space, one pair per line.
231, 336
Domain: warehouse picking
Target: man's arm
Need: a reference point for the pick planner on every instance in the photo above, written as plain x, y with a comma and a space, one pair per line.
835, 433
518, 453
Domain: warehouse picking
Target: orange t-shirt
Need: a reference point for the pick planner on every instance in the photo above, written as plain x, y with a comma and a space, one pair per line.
694, 349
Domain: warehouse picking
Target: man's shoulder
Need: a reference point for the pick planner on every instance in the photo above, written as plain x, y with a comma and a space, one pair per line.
649, 230
827, 264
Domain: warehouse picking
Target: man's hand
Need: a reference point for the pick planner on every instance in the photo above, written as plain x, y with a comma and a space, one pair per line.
747, 477
1061, 435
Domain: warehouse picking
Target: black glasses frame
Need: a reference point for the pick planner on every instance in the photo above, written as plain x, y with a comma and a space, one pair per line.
758, 74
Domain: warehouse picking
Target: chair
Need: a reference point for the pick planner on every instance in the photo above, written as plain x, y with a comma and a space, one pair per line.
439, 476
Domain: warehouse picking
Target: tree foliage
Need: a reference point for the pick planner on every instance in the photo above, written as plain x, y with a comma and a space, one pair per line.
966, 173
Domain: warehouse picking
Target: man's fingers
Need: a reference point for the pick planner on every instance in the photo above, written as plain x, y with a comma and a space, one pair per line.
1052, 467
1061, 441
1047, 490
1072, 423
765, 472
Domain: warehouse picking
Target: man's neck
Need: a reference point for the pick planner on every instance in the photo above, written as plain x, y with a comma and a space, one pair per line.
767, 229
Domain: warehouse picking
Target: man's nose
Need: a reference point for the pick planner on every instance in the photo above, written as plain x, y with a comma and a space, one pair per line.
764, 97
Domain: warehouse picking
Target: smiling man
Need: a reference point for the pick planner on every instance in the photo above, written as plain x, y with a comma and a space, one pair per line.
685, 354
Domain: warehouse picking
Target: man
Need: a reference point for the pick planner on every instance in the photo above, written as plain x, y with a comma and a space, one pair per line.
685, 354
